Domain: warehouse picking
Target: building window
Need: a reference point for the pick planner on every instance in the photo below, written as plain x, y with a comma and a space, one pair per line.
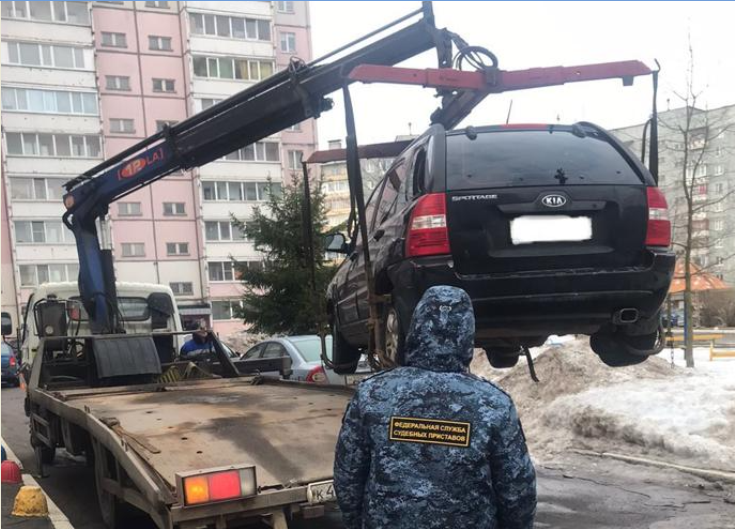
288, 42
718, 225
162, 124
231, 68
157, 5
163, 85
719, 207
133, 249
225, 309
230, 27
720, 188
39, 232
719, 170
261, 151
177, 248
129, 209
53, 145
284, 7
33, 275
122, 126
221, 271
238, 191
294, 160
208, 102
182, 288
117, 82
294, 128
222, 231
159, 43
718, 151
51, 56
67, 12
172, 209
37, 188
49, 101
114, 40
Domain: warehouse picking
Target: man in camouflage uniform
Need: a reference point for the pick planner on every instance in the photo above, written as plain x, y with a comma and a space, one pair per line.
429, 445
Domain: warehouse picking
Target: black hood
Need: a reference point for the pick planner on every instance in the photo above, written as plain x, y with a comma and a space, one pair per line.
442, 332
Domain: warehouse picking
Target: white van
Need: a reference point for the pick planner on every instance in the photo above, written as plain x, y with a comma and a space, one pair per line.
132, 301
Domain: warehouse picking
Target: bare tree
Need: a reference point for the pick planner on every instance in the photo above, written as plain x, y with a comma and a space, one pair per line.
692, 135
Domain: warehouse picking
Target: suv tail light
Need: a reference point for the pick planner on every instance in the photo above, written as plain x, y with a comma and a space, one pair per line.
12, 360
219, 485
427, 230
658, 232
317, 375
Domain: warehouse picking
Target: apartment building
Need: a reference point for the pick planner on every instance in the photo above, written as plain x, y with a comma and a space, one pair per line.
712, 137
135, 68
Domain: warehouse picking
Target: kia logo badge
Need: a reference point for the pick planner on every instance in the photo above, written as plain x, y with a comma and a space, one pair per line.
554, 201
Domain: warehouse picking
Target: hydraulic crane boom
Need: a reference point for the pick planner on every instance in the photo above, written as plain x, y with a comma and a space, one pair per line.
284, 99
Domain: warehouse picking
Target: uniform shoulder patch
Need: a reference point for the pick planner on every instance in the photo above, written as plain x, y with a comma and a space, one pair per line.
430, 431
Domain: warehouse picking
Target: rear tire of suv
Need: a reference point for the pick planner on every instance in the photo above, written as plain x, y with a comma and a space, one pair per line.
345, 356
502, 357
393, 335
618, 350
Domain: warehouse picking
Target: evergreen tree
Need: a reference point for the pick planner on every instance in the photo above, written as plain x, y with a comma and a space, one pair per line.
279, 297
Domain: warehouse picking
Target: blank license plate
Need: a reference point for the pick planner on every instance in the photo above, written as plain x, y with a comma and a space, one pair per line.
351, 380
321, 492
550, 228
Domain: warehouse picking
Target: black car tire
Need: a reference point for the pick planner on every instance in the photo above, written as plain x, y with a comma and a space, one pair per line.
115, 513
345, 356
502, 358
617, 350
393, 337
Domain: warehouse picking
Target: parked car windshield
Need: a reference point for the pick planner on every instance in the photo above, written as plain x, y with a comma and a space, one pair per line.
311, 347
531, 158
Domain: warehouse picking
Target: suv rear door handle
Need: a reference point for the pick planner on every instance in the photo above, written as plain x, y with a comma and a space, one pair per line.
378, 234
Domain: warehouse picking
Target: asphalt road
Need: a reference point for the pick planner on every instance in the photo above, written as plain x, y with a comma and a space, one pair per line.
575, 492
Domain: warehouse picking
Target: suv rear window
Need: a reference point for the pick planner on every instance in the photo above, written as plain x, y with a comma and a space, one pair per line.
533, 158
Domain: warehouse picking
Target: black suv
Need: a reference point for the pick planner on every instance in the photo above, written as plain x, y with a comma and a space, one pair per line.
551, 229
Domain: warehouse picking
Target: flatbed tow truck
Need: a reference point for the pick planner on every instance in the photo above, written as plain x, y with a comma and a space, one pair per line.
216, 444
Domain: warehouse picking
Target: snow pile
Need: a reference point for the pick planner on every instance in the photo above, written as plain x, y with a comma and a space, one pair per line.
675, 414
241, 341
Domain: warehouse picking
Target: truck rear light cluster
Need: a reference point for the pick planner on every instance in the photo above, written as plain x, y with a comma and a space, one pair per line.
317, 375
658, 232
427, 230
217, 485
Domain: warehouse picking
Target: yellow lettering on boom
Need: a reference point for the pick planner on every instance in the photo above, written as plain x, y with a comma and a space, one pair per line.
431, 431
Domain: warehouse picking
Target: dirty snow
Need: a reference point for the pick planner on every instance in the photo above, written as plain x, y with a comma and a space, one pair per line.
683, 416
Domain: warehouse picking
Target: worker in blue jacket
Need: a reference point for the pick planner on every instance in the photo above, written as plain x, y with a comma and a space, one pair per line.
429, 445
199, 344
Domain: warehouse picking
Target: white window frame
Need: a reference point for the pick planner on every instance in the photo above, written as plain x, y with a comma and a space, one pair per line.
129, 209
132, 248
46, 96
34, 181
161, 124
294, 128
177, 209
251, 64
166, 86
211, 101
246, 22
180, 248
68, 274
289, 39
719, 170
175, 288
220, 238
56, 140
55, 13
62, 229
47, 60
157, 5
160, 41
294, 161
116, 40
260, 153
119, 83
122, 129
285, 7
231, 303
220, 265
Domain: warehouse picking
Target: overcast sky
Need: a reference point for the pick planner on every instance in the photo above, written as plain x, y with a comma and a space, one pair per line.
534, 34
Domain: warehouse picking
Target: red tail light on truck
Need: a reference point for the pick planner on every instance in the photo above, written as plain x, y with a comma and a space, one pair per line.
207, 486
427, 230
658, 232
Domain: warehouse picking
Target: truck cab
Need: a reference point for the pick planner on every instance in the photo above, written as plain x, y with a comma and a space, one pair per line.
139, 305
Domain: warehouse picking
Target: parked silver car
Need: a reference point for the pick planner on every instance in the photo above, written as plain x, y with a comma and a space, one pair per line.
306, 363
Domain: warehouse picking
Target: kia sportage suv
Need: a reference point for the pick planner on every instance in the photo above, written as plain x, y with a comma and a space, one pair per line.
551, 229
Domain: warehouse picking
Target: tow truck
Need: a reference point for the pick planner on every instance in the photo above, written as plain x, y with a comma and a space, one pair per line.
214, 444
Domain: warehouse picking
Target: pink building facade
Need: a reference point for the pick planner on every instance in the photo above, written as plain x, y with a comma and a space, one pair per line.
142, 63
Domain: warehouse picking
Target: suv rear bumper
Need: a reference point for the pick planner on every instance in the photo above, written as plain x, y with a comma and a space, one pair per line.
540, 303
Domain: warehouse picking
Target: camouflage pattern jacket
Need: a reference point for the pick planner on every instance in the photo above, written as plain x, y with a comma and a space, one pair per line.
429, 445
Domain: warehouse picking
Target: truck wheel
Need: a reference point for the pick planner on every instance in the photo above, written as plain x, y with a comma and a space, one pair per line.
502, 357
45, 453
393, 335
115, 514
344, 355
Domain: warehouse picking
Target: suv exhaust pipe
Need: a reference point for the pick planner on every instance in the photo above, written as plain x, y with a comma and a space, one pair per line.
625, 316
